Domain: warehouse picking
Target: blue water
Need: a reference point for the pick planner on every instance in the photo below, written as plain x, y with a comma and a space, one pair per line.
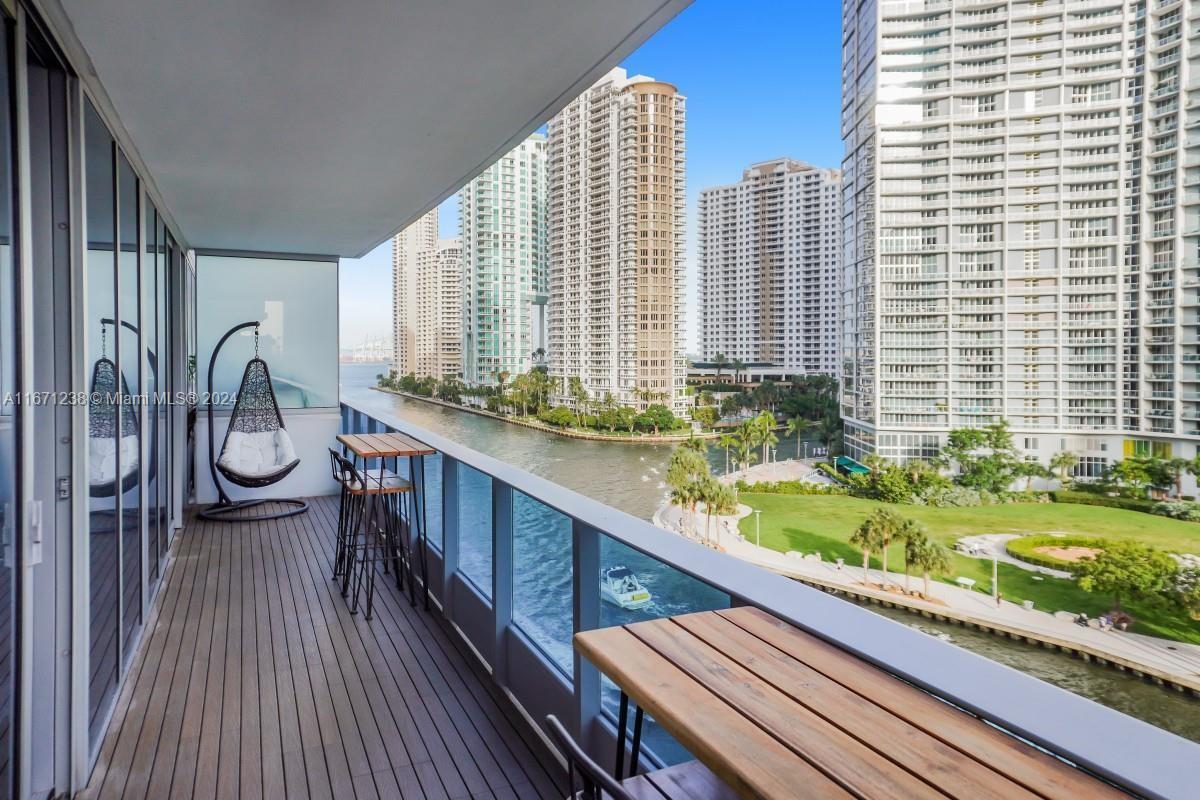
631, 477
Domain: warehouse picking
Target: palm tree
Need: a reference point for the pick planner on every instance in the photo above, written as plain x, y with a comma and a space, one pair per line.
929, 556
890, 528
743, 453
695, 445
912, 533
827, 431
1030, 470
726, 443
738, 366
1175, 468
867, 538
720, 362
580, 394
709, 491
796, 426
764, 432
717, 497
1193, 466
1063, 462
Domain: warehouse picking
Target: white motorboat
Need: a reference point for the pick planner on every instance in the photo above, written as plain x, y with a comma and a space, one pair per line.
619, 586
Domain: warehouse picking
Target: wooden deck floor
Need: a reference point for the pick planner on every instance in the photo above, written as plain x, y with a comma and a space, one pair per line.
253, 680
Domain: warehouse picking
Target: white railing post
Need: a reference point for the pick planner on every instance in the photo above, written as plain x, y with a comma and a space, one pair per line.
502, 576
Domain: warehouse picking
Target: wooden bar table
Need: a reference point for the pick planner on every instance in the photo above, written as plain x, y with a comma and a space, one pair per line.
776, 712
382, 446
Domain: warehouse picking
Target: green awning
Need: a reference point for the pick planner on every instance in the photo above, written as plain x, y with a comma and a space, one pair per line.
848, 464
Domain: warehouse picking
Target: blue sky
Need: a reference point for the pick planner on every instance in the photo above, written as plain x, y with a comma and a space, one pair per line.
762, 80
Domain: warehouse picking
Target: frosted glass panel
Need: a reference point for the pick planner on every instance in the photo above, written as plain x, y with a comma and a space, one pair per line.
296, 302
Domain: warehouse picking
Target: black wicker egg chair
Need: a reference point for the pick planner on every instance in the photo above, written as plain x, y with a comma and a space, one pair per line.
105, 404
255, 414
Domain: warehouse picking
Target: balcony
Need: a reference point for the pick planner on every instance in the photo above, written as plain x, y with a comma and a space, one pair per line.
257, 680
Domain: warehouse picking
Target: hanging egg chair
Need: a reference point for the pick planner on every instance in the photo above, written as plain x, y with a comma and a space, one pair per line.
107, 456
257, 450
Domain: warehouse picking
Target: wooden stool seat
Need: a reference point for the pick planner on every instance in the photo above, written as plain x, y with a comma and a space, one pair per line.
389, 484
688, 781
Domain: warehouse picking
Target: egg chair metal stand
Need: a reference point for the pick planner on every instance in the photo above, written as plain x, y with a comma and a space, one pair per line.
255, 410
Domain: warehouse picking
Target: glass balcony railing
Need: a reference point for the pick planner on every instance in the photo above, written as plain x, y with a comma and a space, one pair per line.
515, 563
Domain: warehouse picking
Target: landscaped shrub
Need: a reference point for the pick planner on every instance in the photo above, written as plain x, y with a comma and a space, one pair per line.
1091, 487
1089, 499
559, 416
790, 487
953, 497
1178, 510
1024, 549
829, 470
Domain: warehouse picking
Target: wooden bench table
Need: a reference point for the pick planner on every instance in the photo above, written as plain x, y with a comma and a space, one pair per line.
775, 712
381, 447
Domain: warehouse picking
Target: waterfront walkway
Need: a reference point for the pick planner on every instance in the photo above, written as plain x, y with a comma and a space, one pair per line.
792, 469
1177, 663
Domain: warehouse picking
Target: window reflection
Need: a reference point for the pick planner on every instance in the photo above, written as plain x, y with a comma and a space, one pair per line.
129, 454
671, 593
103, 462
542, 605
475, 527
8, 423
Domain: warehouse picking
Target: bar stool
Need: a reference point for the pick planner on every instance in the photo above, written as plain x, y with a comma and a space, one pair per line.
349, 514
374, 526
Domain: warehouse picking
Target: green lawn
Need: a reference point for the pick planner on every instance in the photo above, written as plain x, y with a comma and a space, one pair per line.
824, 523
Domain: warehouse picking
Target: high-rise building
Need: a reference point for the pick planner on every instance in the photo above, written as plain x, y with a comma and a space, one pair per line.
1020, 235
420, 236
769, 255
439, 311
616, 226
502, 220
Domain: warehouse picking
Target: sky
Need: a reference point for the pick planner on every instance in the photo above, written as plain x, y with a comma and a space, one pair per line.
762, 80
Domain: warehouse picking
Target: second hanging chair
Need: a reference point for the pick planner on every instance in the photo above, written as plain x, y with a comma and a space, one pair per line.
108, 392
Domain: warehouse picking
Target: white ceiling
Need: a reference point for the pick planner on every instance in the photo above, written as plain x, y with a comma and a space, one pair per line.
313, 126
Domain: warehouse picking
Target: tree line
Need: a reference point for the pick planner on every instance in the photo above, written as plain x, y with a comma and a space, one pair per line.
529, 396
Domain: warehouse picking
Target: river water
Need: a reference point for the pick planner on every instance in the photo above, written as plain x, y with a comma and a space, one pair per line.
631, 477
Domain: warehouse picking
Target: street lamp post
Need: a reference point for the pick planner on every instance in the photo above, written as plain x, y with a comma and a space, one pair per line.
806, 450
757, 527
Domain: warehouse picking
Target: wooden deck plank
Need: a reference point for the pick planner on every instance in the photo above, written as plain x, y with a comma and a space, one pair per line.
311, 753
168, 707
254, 680
490, 749
431, 745
196, 762
143, 668
167, 761
144, 728
337, 743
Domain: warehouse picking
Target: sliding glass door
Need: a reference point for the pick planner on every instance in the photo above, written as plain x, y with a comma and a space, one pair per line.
105, 448
9, 411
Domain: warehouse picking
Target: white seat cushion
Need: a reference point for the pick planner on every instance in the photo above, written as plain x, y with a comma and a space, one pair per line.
255, 454
102, 459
